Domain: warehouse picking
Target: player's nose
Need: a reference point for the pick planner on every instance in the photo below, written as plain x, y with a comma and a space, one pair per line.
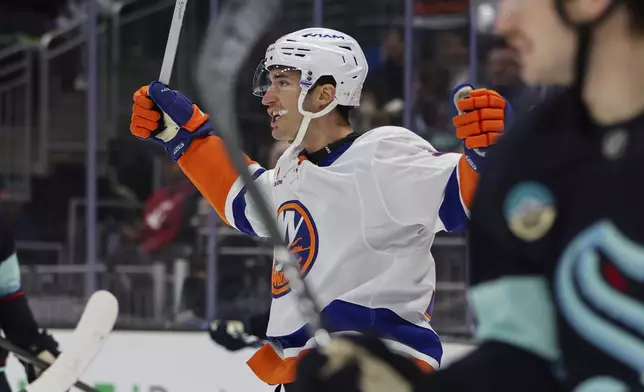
269, 97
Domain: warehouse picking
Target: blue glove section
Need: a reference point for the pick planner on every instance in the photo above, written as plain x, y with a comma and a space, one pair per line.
179, 108
509, 116
172, 102
476, 159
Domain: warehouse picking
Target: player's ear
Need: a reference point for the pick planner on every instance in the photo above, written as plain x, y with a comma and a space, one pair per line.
324, 95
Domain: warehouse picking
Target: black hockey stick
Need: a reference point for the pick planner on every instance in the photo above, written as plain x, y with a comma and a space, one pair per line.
39, 363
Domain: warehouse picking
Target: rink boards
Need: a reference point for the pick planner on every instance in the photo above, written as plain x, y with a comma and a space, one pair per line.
174, 362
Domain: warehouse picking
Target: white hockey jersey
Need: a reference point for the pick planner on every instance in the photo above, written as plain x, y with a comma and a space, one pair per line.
361, 225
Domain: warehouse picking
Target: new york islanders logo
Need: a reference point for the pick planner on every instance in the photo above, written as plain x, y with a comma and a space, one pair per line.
301, 235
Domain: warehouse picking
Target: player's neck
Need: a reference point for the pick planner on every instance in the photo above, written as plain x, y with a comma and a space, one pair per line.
615, 81
320, 135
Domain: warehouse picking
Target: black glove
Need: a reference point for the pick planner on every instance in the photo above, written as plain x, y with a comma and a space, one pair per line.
46, 349
358, 364
231, 334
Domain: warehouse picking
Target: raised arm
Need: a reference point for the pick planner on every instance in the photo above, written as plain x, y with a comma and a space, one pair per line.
168, 117
207, 165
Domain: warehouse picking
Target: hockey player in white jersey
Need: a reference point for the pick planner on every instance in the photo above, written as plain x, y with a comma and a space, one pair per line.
360, 212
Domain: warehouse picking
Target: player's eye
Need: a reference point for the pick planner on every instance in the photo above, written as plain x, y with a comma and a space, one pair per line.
282, 83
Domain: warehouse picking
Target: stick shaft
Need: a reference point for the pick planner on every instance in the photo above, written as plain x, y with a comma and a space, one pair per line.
173, 41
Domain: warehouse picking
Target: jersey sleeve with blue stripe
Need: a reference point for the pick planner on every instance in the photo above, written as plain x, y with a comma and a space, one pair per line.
240, 210
419, 185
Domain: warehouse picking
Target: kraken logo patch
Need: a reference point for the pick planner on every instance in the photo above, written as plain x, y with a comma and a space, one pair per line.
530, 211
598, 283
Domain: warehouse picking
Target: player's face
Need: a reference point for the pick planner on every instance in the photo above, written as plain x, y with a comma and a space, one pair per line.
281, 102
545, 45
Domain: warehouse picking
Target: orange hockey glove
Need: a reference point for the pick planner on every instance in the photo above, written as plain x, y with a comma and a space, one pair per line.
167, 117
145, 118
482, 116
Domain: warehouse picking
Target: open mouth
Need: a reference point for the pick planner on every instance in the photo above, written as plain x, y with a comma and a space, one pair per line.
276, 115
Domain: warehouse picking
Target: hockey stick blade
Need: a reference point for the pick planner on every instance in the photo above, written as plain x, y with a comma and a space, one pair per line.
39, 363
88, 338
173, 41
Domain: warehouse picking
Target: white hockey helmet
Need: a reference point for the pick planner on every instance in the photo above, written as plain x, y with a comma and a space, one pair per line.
316, 52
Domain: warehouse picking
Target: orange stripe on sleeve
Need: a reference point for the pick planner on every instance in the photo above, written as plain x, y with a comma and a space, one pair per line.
467, 181
207, 165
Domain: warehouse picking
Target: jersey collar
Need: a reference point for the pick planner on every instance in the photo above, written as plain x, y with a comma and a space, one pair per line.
330, 153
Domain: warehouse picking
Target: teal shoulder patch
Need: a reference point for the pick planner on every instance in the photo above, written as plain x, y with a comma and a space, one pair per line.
530, 210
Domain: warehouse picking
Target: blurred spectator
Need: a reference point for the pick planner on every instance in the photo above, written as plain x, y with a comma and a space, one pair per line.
502, 72
164, 213
453, 48
165, 230
19, 24
74, 12
433, 110
453, 55
385, 82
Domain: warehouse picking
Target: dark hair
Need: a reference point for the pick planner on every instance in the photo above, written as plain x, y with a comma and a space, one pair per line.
343, 111
636, 12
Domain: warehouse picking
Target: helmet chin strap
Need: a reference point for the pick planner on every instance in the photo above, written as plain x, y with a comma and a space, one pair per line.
308, 116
